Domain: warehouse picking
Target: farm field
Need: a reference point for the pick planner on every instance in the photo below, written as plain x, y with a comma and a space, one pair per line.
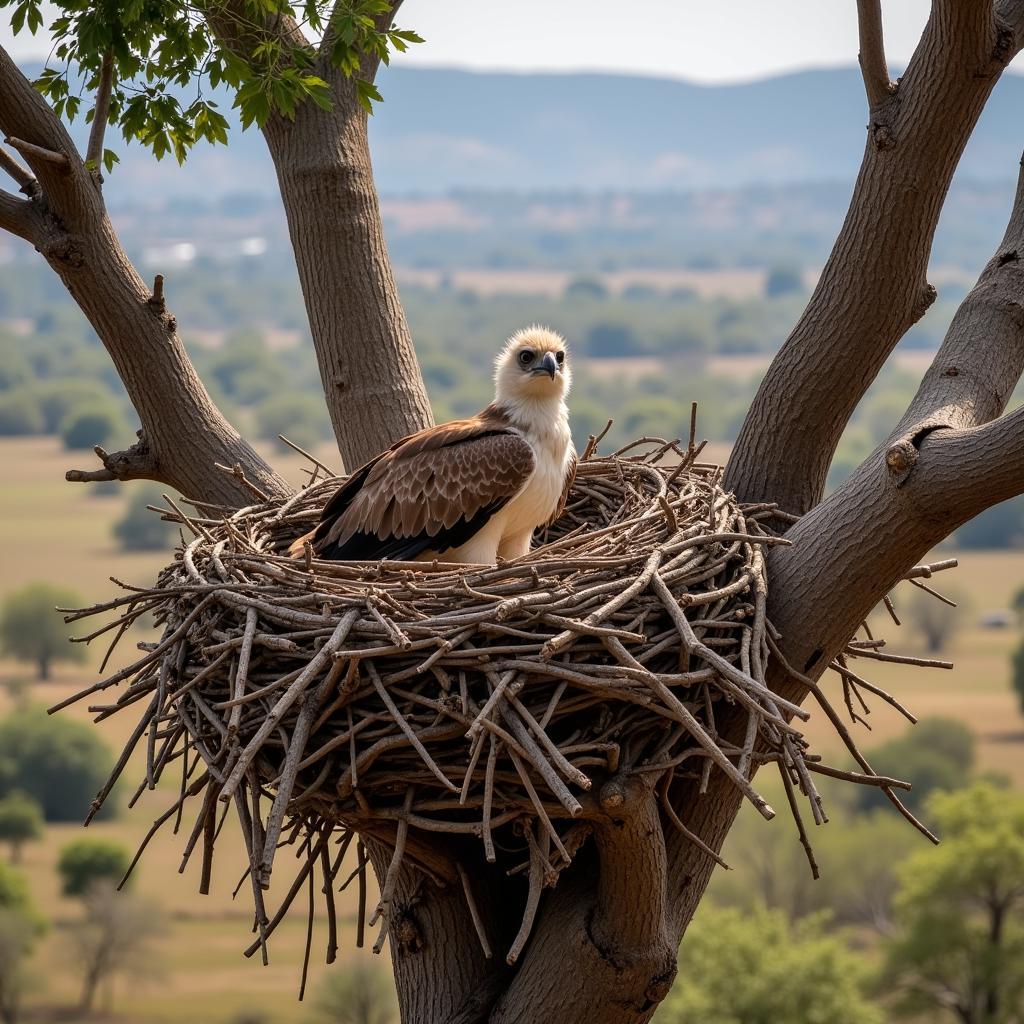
61, 532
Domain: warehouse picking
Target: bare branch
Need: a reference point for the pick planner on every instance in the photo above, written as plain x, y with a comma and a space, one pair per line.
16, 216
101, 113
22, 175
134, 463
871, 57
34, 153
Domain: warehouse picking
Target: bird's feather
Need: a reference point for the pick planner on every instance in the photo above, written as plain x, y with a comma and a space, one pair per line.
432, 490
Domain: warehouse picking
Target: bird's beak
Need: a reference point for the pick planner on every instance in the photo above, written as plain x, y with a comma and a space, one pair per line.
547, 365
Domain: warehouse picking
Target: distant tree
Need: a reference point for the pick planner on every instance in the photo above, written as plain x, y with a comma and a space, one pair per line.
139, 529
60, 397
21, 821
20, 928
114, 937
586, 288
1017, 671
608, 339
936, 754
87, 426
1001, 526
58, 761
758, 968
959, 955
783, 280
936, 621
357, 994
1018, 605
84, 863
32, 630
20, 414
299, 417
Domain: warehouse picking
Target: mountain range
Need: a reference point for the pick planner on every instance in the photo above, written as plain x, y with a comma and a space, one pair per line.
441, 130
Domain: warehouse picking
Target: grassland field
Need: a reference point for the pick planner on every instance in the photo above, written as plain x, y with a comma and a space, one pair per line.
61, 532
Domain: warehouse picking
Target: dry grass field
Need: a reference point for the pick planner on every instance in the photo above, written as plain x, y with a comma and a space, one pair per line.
60, 532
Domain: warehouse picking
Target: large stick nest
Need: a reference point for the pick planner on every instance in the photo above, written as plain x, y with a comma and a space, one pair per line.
323, 699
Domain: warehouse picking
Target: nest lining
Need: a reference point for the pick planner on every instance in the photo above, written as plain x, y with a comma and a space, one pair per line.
325, 700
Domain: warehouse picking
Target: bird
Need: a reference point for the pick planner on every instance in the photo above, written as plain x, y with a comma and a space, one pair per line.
469, 491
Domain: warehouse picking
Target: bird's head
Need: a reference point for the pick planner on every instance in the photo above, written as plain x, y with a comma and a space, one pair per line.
533, 365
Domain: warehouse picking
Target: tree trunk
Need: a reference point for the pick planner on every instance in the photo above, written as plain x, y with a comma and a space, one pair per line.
371, 377
44, 668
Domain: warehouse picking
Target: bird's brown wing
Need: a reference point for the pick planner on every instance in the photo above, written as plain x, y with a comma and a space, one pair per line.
434, 489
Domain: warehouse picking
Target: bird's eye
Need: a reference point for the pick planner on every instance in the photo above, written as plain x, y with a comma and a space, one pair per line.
560, 358
525, 357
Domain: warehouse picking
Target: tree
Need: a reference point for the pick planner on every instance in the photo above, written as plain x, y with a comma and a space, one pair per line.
114, 937
934, 619
89, 425
604, 948
58, 762
141, 529
783, 281
758, 968
20, 928
1017, 670
960, 951
358, 994
21, 821
20, 414
86, 862
31, 628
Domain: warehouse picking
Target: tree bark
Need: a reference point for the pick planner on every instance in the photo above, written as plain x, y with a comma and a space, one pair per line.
371, 377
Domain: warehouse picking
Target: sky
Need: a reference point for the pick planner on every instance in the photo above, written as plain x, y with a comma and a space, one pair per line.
691, 39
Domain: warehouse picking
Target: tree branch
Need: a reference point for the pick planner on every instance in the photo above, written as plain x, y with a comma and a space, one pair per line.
873, 286
134, 463
101, 112
22, 175
871, 57
16, 216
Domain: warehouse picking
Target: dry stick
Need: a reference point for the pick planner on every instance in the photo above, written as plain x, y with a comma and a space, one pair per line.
882, 781
296, 748
361, 913
666, 803
407, 729
242, 672
246, 823
31, 152
309, 932
685, 717
532, 902
328, 891
569, 770
122, 761
844, 734
492, 758
285, 702
795, 809
387, 892
542, 814
496, 694
900, 659
474, 913
847, 673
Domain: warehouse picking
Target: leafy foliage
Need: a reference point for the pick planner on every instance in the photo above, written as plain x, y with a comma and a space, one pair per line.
757, 968
21, 820
359, 993
960, 954
59, 762
20, 928
164, 57
85, 862
86, 426
32, 630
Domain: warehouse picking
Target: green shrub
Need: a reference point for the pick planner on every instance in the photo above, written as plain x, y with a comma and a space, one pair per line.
89, 425
84, 862
20, 414
139, 529
31, 629
58, 761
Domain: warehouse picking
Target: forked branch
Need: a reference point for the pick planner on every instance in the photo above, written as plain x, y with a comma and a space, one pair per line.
871, 57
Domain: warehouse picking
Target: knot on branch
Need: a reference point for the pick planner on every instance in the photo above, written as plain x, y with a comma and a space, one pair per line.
882, 136
134, 463
901, 459
925, 297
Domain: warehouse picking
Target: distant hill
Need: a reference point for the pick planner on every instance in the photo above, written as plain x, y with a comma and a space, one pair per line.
440, 130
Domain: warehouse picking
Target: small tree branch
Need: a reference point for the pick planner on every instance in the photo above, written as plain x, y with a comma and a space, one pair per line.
134, 463
101, 113
16, 216
871, 57
22, 175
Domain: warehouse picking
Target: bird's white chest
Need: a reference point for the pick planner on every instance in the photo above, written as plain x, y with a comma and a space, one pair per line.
539, 497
